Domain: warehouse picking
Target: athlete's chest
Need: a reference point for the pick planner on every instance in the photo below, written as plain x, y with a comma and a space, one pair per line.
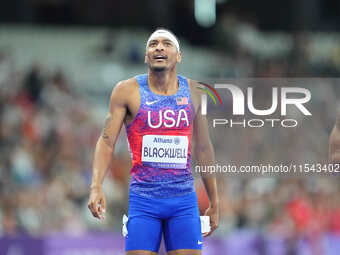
155, 111
166, 112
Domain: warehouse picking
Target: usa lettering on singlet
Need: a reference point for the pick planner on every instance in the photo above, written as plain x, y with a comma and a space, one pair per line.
160, 142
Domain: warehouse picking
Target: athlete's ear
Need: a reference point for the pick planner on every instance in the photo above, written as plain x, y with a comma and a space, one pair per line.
179, 57
145, 59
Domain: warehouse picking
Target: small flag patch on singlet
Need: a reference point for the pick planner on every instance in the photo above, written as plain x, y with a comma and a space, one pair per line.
182, 100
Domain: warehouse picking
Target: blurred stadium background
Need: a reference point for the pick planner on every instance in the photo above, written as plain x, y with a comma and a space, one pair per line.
59, 60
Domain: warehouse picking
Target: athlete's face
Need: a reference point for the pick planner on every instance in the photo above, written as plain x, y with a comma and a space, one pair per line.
161, 54
334, 143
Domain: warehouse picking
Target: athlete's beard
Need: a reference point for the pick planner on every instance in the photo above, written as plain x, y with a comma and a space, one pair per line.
158, 69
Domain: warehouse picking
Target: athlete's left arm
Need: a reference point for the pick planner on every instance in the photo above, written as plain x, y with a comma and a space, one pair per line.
205, 157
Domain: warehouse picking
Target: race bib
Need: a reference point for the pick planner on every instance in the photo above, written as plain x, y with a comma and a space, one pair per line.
165, 151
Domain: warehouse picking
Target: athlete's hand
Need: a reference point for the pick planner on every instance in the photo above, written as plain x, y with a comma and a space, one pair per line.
213, 213
97, 203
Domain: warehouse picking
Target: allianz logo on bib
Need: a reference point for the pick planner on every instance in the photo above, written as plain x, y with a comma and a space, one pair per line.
169, 119
176, 140
162, 140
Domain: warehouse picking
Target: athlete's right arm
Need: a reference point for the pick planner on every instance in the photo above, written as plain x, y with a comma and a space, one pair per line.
105, 148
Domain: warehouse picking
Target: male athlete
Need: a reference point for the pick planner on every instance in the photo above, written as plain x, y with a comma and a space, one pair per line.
161, 114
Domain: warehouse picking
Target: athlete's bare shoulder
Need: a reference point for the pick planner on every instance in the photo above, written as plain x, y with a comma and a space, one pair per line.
196, 88
126, 86
125, 90
196, 92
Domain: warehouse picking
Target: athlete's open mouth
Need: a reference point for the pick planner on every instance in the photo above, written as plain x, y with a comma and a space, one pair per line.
160, 57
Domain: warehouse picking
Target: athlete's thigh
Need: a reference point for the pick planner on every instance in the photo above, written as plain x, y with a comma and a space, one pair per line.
182, 231
144, 228
144, 233
140, 252
185, 252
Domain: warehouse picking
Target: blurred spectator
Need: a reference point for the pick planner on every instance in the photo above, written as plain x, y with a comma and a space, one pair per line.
34, 83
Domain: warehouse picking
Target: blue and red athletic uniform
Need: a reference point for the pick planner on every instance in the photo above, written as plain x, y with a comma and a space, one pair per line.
162, 195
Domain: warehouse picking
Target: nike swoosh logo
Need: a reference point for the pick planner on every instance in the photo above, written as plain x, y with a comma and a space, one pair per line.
199, 242
151, 102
